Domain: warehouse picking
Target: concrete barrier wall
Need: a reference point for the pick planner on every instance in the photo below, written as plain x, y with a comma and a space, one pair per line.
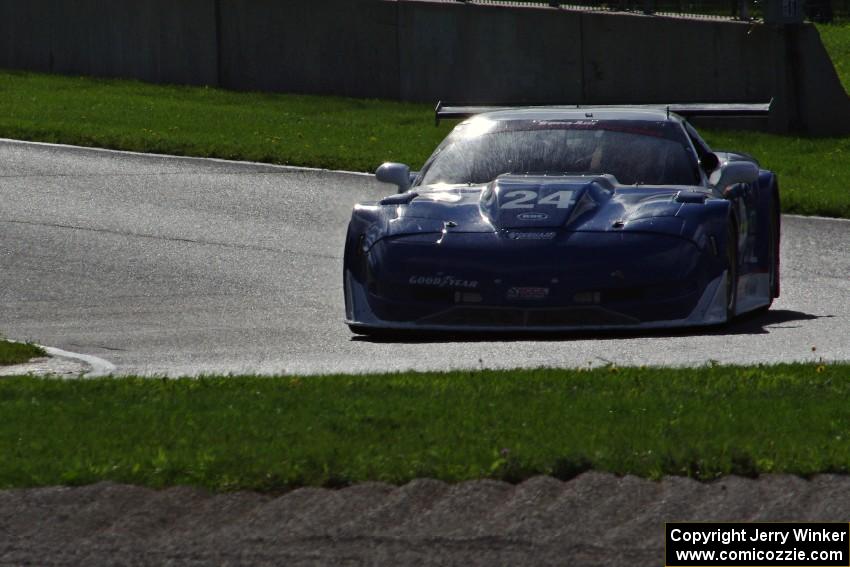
657, 60
25, 34
428, 50
480, 53
345, 47
662, 59
152, 40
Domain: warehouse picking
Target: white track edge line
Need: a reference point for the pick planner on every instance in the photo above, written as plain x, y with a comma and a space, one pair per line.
816, 217
259, 163
185, 158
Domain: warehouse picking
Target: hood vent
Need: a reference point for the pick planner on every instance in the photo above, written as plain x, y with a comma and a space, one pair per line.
539, 201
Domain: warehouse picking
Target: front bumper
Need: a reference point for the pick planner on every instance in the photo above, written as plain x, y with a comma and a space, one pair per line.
710, 310
481, 282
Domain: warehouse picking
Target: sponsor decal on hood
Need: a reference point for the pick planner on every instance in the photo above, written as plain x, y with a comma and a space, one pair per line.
520, 235
532, 216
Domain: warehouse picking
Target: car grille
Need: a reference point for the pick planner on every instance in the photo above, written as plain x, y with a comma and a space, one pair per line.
513, 317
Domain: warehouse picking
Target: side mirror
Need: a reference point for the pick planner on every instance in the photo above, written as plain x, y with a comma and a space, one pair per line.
734, 172
395, 173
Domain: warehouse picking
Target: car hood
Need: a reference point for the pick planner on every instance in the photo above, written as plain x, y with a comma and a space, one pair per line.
531, 202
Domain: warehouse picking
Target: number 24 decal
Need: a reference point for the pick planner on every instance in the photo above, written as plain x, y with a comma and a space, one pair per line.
525, 199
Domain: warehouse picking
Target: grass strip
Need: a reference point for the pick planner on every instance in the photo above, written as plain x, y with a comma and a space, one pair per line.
836, 40
274, 434
17, 353
812, 172
316, 131
328, 132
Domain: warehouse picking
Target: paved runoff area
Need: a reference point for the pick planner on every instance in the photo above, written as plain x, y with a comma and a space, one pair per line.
178, 266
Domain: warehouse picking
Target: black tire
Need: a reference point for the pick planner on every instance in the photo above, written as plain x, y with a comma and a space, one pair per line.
731, 269
775, 221
773, 254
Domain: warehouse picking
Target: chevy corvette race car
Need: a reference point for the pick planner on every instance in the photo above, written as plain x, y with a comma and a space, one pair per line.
566, 218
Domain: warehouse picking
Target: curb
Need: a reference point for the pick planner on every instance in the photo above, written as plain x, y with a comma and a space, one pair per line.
98, 366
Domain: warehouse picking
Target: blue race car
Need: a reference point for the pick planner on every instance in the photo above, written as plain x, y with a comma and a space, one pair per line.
566, 218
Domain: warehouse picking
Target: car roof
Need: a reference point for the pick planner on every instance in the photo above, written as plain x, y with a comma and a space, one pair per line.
574, 113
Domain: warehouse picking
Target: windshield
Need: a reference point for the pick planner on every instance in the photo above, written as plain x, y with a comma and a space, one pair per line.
634, 152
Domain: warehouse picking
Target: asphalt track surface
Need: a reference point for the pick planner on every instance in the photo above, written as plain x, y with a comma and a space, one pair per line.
183, 266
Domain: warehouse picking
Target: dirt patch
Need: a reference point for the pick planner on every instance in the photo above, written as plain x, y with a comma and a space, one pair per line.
595, 519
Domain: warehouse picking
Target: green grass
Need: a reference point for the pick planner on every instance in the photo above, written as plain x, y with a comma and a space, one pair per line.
836, 39
274, 434
813, 172
330, 132
16, 353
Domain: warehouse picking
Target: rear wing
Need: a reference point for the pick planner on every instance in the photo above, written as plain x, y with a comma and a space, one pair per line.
735, 109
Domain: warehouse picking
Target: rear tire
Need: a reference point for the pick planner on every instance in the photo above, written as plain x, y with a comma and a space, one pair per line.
731, 269
773, 253
774, 248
